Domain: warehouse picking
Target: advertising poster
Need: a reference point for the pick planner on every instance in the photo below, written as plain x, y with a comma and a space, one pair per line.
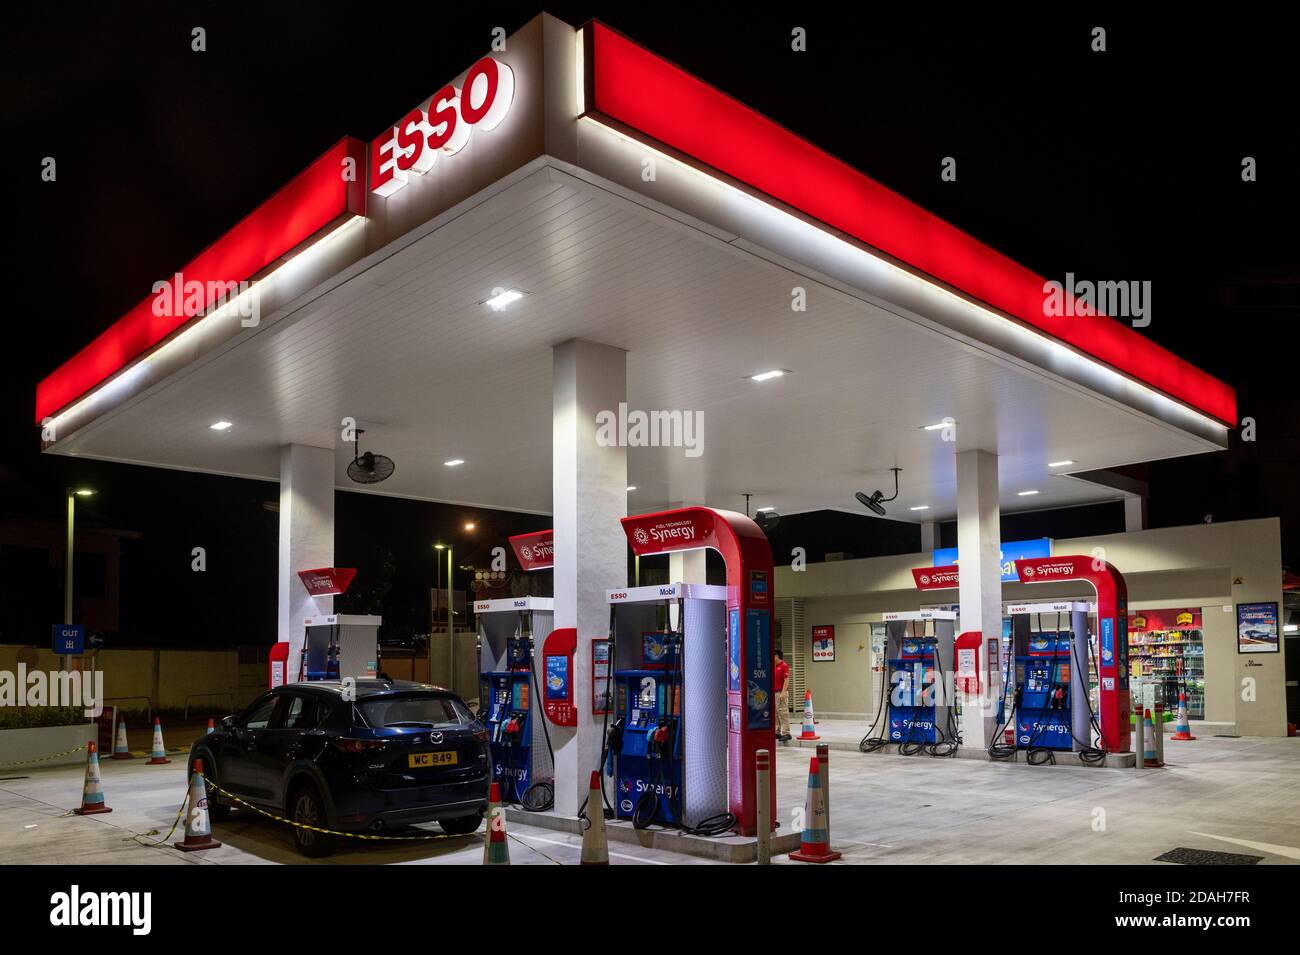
823, 644
1257, 628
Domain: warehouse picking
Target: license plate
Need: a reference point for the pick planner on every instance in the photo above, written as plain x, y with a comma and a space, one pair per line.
447, 757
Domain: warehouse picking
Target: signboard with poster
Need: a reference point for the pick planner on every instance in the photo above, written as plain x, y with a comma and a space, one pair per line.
823, 644
1257, 628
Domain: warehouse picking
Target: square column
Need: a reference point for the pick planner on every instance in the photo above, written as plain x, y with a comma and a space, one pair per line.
979, 546
589, 490
306, 541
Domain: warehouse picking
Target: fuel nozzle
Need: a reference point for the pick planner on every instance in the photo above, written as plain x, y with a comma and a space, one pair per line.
660, 737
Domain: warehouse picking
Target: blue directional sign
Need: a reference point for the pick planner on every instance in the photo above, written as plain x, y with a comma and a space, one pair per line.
1012, 551
69, 639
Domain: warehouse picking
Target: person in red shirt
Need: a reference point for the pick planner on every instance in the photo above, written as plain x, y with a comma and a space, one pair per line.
780, 680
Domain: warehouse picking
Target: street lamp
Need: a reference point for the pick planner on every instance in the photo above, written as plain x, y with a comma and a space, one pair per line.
73, 494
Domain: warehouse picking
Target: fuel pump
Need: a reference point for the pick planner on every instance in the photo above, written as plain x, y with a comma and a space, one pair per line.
1045, 694
915, 693
666, 747
510, 705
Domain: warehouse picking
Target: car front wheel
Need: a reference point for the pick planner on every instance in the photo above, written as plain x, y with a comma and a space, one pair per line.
307, 809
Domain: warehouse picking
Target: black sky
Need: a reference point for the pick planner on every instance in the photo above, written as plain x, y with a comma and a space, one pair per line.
1117, 165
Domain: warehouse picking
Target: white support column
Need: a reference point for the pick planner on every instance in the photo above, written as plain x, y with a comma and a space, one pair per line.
979, 547
928, 535
306, 539
1135, 514
589, 488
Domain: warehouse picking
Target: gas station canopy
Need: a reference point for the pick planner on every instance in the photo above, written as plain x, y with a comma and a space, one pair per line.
634, 206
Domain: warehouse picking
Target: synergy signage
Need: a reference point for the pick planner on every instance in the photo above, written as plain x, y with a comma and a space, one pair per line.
1011, 552
442, 126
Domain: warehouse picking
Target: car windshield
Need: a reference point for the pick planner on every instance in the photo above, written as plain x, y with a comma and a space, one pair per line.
413, 711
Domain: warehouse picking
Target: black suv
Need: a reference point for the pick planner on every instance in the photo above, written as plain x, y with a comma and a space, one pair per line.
398, 754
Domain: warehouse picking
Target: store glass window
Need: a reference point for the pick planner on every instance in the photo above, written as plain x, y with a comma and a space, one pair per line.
1167, 648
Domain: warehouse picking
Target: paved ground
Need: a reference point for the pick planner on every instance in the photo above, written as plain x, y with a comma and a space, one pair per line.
1232, 795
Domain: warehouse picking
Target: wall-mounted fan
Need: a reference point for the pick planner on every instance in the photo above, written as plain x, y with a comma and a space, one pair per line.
369, 468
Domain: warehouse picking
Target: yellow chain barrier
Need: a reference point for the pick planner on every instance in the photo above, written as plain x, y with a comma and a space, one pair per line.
329, 832
42, 759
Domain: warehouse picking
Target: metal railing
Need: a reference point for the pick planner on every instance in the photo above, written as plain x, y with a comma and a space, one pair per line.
148, 704
197, 696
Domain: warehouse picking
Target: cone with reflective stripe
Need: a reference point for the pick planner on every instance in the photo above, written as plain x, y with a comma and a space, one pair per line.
198, 828
1182, 728
815, 842
495, 849
809, 723
159, 754
212, 726
1149, 757
120, 750
595, 844
92, 791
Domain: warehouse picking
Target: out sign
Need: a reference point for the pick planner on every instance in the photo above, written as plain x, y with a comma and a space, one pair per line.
69, 639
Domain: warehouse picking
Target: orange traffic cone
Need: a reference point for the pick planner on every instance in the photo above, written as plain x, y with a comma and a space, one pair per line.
198, 828
120, 750
595, 844
815, 841
1182, 728
495, 849
809, 723
92, 791
159, 754
212, 726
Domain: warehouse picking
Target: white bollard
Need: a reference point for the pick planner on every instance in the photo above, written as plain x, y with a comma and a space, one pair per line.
763, 775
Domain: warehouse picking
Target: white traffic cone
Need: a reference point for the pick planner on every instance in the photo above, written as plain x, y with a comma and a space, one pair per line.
809, 722
595, 843
159, 754
92, 790
198, 828
815, 841
120, 750
1182, 728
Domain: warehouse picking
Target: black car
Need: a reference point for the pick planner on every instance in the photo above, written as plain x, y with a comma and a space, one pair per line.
398, 754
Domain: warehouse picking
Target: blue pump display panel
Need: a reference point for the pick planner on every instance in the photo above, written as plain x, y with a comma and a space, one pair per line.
1043, 675
509, 719
649, 701
912, 691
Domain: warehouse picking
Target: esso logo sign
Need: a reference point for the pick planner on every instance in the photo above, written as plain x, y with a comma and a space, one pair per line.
442, 126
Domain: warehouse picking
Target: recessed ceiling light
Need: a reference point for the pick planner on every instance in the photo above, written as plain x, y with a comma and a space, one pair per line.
1026, 493
920, 507
767, 375
947, 423
1059, 464
631, 487
454, 463
501, 299
220, 425
761, 509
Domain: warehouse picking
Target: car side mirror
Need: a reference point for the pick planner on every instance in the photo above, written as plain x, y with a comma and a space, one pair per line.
227, 723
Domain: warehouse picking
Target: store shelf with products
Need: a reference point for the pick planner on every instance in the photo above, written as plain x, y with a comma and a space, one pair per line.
1169, 647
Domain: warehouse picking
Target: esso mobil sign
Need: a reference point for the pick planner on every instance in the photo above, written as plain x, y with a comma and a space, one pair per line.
441, 127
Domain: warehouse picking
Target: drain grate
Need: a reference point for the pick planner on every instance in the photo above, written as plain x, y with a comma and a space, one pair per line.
1184, 856
1226, 736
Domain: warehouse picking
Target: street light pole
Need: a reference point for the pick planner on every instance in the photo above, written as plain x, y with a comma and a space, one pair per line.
67, 573
451, 628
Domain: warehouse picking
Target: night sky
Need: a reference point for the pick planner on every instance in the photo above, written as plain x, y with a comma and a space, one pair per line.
1122, 165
